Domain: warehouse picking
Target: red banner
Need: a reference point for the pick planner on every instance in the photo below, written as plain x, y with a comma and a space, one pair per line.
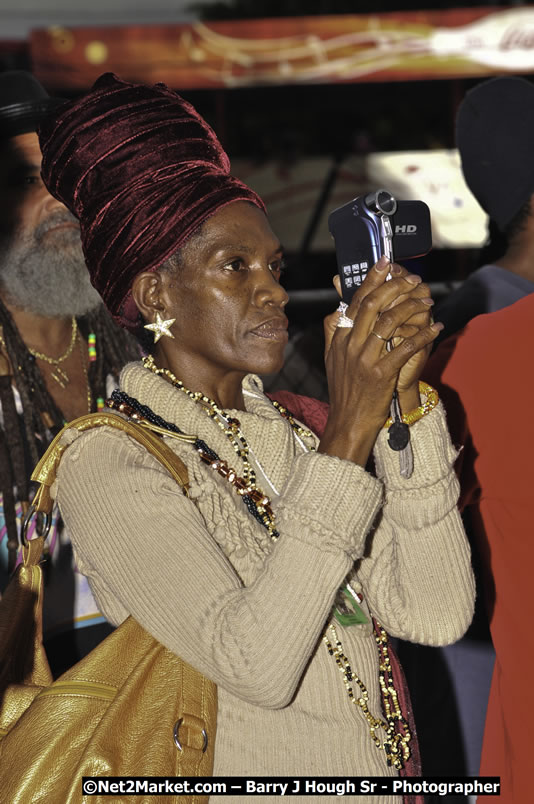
325, 49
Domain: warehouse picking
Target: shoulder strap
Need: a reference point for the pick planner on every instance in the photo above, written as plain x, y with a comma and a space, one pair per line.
45, 472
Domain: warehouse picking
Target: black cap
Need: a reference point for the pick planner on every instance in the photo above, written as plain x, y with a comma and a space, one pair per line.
23, 103
495, 138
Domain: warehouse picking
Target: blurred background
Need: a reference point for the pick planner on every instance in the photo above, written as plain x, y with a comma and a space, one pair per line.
316, 102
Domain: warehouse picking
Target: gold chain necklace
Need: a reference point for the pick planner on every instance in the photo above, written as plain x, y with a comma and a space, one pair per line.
92, 354
58, 374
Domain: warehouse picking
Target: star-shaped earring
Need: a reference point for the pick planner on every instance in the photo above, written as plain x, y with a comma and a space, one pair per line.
161, 327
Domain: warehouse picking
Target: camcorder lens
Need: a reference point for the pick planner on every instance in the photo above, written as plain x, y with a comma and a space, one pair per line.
381, 201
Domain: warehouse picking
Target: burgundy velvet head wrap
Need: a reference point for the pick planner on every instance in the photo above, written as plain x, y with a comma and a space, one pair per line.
142, 171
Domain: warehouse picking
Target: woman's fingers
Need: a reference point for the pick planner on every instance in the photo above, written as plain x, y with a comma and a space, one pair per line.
414, 286
376, 314
375, 279
362, 368
385, 297
408, 347
383, 309
407, 311
382, 283
399, 349
378, 298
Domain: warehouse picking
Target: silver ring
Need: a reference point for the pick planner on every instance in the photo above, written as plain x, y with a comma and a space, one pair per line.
26, 524
379, 336
177, 742
344, 321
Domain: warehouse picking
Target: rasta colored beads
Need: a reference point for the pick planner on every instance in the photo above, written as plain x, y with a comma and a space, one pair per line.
91, 347
100, 404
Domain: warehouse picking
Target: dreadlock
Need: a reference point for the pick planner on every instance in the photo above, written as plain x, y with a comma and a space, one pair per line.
24, 438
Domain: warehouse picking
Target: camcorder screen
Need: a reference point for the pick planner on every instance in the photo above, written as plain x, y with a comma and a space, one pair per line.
372, 225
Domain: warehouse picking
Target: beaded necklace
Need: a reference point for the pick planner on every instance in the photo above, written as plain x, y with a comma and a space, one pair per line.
91, 351
397, 731
256, 502
229, 425
231, 428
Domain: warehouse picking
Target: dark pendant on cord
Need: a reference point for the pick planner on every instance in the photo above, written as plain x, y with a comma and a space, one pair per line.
399, 432
399, 436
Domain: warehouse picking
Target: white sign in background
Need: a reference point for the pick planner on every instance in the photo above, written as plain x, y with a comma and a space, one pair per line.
435, 177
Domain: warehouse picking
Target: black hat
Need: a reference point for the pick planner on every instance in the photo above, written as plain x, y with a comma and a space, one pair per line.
23, 103
495, 138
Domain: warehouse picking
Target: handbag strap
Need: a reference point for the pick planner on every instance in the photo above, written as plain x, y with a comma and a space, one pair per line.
194, 731
46, 470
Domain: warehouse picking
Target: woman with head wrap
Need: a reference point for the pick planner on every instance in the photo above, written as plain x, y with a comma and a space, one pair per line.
270, 576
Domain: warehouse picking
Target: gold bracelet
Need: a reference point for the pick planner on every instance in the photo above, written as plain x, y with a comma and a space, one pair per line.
431, 400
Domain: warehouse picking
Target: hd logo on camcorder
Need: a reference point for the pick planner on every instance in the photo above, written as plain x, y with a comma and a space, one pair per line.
406, 228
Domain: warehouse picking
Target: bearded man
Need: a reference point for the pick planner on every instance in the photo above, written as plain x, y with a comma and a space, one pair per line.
59, 354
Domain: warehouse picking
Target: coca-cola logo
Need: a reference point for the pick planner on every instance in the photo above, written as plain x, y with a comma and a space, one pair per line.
517, 38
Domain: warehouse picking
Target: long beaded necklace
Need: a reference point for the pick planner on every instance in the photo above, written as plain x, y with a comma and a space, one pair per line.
91, 353
397, 731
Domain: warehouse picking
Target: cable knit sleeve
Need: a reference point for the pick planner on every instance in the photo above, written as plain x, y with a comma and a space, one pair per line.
417, 574
147, 552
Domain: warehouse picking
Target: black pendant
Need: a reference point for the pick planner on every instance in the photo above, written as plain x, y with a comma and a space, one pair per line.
399, 436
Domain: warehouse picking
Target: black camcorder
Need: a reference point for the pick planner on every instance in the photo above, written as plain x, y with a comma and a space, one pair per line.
376, 224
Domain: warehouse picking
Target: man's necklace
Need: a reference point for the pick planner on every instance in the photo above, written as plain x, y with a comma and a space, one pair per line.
59, 374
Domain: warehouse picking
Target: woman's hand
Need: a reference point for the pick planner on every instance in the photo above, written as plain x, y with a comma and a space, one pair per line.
362, 373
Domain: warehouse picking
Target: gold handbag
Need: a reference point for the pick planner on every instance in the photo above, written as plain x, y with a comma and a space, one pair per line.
129, 708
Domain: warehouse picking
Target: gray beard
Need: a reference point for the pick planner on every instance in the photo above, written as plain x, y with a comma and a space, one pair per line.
47, 276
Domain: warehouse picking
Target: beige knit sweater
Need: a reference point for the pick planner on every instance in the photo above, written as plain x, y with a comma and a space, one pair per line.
206, 580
